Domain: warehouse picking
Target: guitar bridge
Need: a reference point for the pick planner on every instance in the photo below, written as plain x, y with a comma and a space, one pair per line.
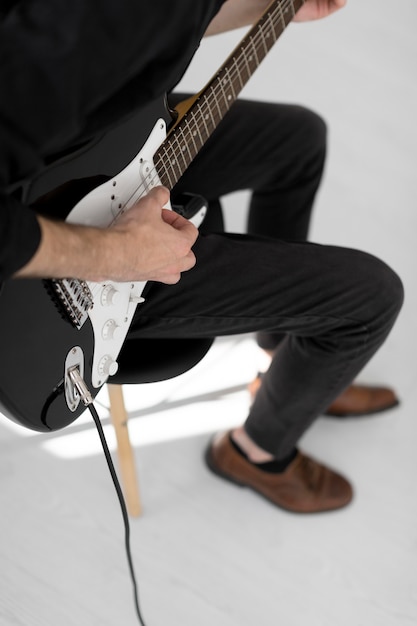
73, 299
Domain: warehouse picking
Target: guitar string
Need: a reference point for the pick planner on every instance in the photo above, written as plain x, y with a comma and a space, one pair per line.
258, 41
275, 16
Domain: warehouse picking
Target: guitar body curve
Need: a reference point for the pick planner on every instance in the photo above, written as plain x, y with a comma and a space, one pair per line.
36, 391
32, 389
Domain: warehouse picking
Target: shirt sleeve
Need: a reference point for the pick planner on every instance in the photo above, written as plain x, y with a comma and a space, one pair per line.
20, 235
71, 70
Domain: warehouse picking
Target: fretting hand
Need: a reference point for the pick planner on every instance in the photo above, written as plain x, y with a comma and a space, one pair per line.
317, 9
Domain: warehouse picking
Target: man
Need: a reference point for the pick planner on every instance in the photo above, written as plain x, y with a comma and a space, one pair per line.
69, 80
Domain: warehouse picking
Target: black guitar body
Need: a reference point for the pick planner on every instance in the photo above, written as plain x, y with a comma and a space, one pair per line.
32, 378
34, 337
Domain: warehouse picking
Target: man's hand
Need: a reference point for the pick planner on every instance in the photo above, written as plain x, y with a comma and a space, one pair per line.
148, 242
317, 9
238, 13
161, 240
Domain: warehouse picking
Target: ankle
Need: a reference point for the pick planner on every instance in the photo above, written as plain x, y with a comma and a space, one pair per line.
272, 466
254, 453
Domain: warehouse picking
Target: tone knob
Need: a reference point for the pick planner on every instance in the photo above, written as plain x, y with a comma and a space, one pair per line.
107, 367
109, 295
111, 330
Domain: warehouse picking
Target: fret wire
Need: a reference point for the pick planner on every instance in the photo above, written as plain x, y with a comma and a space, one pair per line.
239, 74
227, 101
193, 134
165, 169
263, 39
180, 153
198, 141
257, 39
245, 59
272, 27
211, 115
199, 110
197, 130
270, 18
216, 99
171, 160
190, 156
282, 16
164, 175
231, 87
222, 81
190, 134
254, 51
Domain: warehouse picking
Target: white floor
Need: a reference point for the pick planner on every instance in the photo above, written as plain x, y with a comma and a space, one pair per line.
205, 551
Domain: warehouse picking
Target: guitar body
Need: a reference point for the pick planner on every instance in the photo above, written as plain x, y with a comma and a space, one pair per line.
40, 350
32, 378
35, 387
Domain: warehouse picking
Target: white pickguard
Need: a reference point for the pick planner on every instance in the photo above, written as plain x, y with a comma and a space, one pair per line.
115, 303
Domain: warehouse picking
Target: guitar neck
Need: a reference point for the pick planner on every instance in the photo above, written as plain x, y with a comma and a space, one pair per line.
206, 111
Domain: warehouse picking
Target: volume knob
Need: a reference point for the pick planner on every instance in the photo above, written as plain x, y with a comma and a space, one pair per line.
107, 366
110, 295
111, 330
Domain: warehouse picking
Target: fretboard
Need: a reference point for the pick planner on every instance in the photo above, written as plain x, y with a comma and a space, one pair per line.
191, 132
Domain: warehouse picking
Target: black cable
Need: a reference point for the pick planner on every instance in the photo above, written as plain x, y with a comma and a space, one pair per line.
122, 506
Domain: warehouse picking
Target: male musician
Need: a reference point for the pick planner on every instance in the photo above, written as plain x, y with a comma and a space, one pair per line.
68, 80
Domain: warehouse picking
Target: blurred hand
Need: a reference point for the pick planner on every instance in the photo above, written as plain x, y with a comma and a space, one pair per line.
155, 243
317, 9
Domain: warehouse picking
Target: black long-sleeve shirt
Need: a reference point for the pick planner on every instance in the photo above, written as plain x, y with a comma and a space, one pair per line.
72, 69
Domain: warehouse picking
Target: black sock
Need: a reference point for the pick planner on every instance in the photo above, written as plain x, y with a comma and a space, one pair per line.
272, 467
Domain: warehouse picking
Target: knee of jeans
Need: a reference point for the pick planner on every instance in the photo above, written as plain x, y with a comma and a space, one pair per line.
313, 128
386, 291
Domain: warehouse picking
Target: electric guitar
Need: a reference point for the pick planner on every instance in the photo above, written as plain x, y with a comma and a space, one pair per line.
74, 324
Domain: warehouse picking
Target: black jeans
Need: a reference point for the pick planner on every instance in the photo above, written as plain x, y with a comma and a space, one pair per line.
278, 152
335, 306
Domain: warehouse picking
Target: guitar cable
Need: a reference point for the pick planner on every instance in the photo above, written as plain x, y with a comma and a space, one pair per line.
87, 400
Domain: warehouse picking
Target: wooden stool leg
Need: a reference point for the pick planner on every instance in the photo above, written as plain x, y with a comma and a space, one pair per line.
119, 419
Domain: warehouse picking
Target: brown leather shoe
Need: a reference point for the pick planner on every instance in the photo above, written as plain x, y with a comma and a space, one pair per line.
355, 401
304, 487
359, 400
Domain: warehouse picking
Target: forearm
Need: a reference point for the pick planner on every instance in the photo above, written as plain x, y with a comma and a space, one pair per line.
238, 13
68, 250
148, 242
